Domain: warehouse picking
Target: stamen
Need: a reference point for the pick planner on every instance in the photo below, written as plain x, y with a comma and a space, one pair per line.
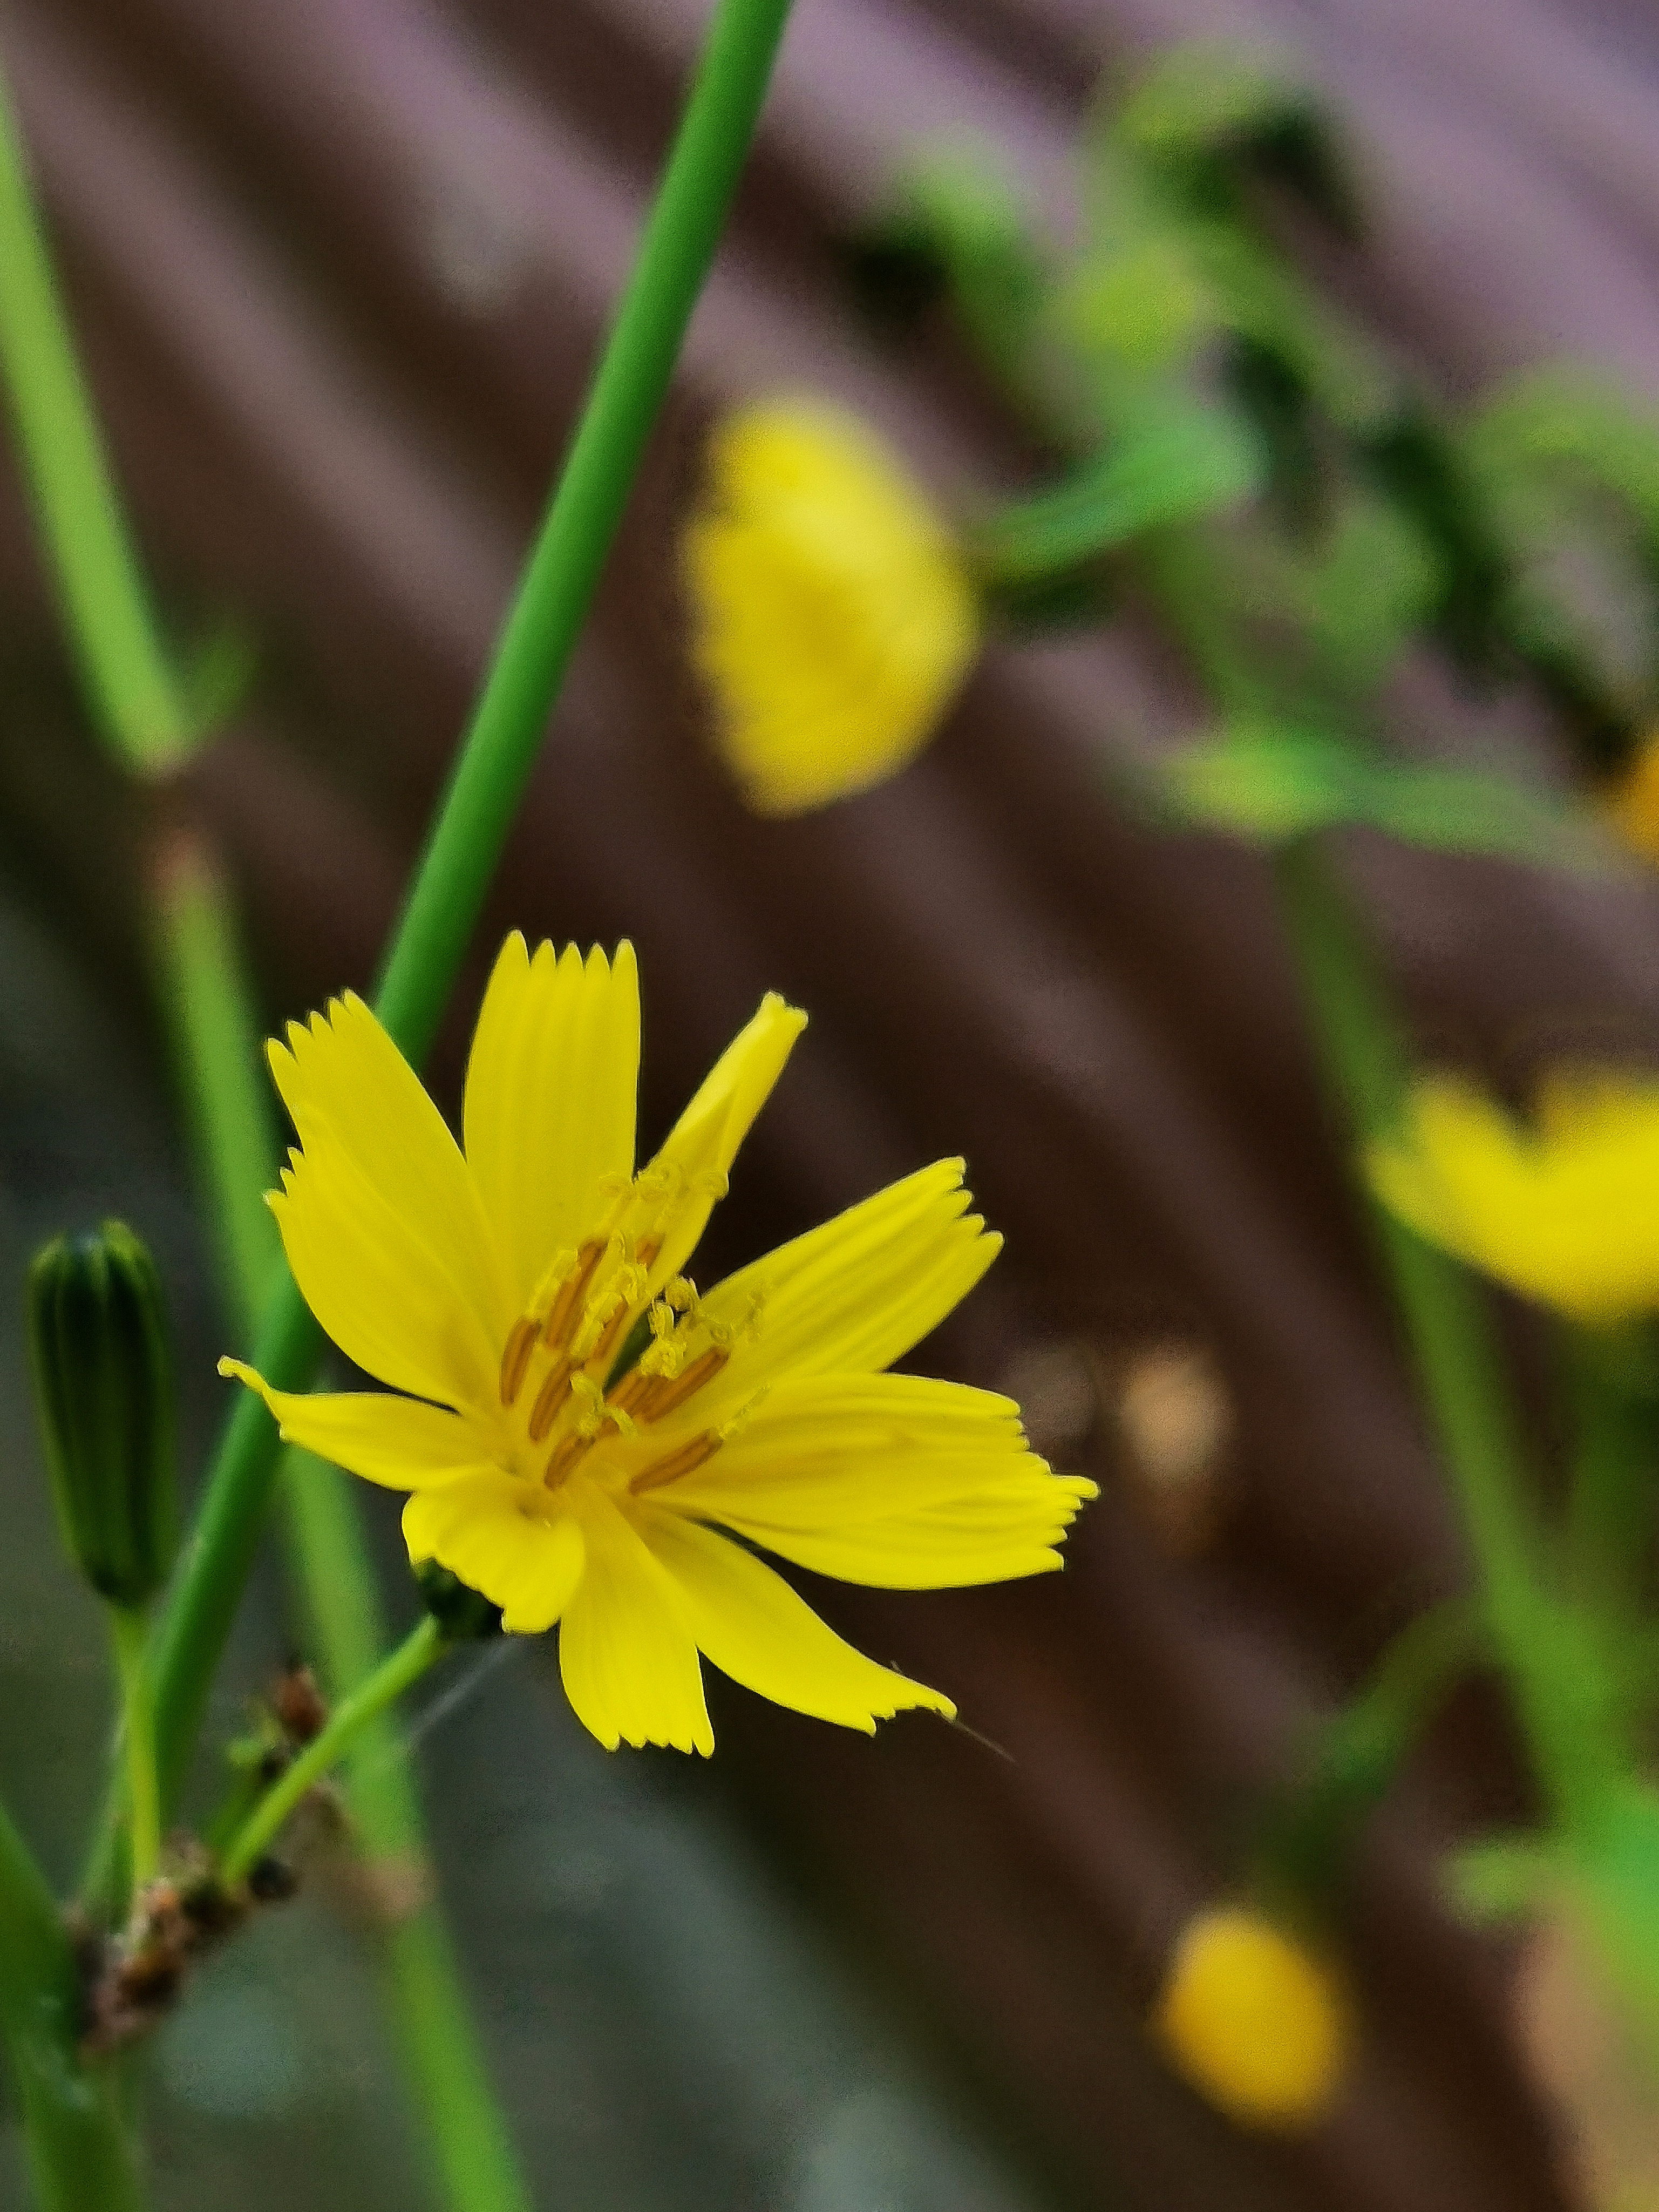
677, 1463
672, 1391
549, 1400
647, 1255
606, 1341
573, 1288
565, 1457
628, 1392
515, 1360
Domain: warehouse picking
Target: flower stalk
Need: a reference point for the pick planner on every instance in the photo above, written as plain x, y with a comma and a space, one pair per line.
130, 1635
396, 1672
492, 769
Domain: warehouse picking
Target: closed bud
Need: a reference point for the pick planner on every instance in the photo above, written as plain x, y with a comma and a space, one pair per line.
465, 1614
103, 1389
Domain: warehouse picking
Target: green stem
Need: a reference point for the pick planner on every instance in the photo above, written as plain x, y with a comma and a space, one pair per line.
394, 1674
1352, 1763
208, 1005
81, 2156
129, 1633
125, 669
217, 1046
1448, 1328
490, 774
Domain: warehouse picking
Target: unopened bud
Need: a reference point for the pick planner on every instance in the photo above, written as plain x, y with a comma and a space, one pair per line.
465, 1615
1255, 2021
103, 1390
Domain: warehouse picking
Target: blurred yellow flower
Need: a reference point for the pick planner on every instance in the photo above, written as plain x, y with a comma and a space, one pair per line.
1565, 1210
832, 618
1254, 2021
582, 1432
1632, 805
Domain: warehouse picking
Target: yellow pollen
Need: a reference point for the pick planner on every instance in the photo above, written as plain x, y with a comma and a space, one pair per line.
574, 1287
677, 1463
549, 1398
606, 1342
515, 1360
667, 1393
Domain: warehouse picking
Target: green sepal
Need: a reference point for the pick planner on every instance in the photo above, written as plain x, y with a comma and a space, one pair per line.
465, 1615
103, 1391
1273, 784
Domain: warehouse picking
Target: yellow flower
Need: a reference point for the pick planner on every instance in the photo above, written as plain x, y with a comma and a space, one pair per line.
1254, 2021
1566, 1211
832, 618
582, 1431
1632, 804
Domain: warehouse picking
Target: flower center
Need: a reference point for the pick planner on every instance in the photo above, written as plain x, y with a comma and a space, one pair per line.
558, 1371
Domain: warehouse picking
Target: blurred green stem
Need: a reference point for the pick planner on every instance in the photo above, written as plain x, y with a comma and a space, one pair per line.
396, 1672
1458, 1364
125, 666
139, 707
129, 1634
80, 2155
217, 1051
490, 774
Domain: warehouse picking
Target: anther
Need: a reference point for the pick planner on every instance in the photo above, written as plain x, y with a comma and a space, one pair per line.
515, 1360
606, 1343
677, 1463
564, 1457
573, 1288
549, 1398
646, 1255
670, 1393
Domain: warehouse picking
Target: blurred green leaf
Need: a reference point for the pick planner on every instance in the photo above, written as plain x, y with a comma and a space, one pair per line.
1205, 117
1182, 459
1273, 784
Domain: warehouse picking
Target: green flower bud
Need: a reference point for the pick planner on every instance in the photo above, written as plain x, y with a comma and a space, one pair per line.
463, 1615
103, 1389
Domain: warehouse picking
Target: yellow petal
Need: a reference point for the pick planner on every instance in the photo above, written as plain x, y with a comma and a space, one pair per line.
856, 1294
627, 1656
703, 1143
896, 1480
486, 1529
382, 1147
550, 1092
385, 1298
833, 616
392, 1440
1566, 1211
757, 1630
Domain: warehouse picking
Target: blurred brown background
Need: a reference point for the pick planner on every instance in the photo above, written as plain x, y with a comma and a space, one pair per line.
340, 268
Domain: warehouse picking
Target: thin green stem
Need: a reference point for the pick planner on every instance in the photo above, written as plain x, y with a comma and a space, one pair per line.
394, 1674
492, 769
80, 2154
209, 1008
215, 1040
129, 1633
125, 668
1458, 1363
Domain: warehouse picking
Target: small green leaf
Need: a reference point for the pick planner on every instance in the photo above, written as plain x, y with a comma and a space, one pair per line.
1273, 784
1183, 461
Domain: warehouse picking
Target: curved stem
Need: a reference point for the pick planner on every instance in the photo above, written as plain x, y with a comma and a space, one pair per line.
110, 625
383, 1687
493, 768
81, 2156
129, 1633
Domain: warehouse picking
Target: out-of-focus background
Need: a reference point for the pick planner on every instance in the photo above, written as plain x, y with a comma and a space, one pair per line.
340, 268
